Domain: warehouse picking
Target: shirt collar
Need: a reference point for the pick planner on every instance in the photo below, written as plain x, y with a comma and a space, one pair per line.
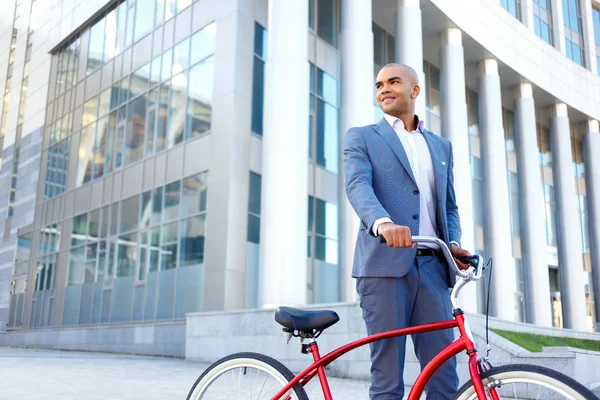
392, 120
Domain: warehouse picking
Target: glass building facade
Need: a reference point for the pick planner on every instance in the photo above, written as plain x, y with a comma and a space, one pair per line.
139, 164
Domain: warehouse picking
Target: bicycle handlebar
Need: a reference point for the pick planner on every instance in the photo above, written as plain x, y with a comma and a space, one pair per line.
475, 261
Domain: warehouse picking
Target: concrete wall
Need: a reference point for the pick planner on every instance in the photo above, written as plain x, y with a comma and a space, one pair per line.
166, 339
210, 336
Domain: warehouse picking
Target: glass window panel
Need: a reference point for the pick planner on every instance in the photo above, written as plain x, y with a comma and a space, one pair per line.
172, 197
145, 209
160, 11
84, 167
154, 249
99, 148
121, 12
109, 139
160, 143
167, 65
144, 18
177, 110
378, 45
168, 246
130, 22
203, 43
139, 81
596, 20
104, 102
181, 56
136, 130
258, 95
327, 88
200, 95
327, 28
114, 218
90, 111
311, 14
193, 199
127, 255
79, 231
110, 35
311, 214
253, 235
96, 46
157, 197
105, 221
155, 70
260, 41
327, 136
254, 196
130, 211
76, 266
191, 250
94, 224
150, 130
143, 249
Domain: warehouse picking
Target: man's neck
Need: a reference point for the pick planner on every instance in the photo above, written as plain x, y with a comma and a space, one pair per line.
409, 122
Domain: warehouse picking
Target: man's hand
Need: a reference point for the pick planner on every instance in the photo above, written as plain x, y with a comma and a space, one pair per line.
396, 235
459, 252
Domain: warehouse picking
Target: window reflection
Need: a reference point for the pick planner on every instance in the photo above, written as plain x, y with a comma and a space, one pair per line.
135, 246
323, 120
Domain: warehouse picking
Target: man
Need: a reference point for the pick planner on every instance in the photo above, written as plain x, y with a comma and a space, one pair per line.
399, 181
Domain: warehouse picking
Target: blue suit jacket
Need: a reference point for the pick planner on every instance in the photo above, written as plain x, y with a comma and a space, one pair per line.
380, 183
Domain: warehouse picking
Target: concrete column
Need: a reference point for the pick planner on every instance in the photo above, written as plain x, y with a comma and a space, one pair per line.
533, 228
589, 46
527, 14
409, 45
591, 145
498, 240
283, 236
558, 26
228, 178
570, 261
455, 128
356, 110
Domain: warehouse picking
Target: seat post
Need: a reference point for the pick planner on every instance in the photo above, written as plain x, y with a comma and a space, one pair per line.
314, 349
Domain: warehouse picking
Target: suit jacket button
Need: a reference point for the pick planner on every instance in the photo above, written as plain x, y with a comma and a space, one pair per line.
416, 216
416, 191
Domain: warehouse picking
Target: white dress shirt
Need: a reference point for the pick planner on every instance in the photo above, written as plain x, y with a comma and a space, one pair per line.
419, 157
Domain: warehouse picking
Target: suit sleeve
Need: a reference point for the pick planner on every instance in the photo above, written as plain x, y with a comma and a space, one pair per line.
453, 219
358, 173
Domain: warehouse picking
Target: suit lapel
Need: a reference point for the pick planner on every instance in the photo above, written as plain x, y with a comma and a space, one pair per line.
390, 136
439, 166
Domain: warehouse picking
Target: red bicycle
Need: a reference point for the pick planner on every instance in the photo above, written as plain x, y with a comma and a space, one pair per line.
258, 376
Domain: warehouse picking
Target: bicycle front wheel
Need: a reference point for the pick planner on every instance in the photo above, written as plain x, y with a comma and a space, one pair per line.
526, 382
245, 376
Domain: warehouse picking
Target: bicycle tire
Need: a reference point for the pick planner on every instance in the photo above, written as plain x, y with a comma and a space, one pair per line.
514, 372
266, 363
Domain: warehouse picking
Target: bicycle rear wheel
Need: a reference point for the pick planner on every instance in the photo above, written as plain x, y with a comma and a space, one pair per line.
245, 376
526, 382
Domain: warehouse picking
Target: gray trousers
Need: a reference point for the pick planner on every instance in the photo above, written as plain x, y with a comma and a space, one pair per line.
421, 296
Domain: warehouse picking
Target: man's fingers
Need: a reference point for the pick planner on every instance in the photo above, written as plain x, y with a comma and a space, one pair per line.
460, 265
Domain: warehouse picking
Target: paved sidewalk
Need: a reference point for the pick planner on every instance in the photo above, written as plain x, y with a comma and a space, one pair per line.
28, 374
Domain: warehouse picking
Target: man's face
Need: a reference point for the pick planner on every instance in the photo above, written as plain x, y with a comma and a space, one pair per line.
396, 90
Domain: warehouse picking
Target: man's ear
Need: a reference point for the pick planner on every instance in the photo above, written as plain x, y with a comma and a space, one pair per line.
415, 91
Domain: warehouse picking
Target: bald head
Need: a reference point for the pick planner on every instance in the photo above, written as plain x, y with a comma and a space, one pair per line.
397, 89
409, 74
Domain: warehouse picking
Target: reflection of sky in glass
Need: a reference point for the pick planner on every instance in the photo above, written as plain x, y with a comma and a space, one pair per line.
201, 82
331, 139
203, 43
328, 88
331, 251
331, 221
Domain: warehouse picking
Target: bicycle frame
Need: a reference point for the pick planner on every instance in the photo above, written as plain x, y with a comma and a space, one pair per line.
463, 342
